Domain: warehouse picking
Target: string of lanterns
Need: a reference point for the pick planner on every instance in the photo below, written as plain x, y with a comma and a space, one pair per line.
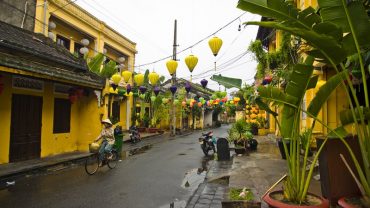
191, 62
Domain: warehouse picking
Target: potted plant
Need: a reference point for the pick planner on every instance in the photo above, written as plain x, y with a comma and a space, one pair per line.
240, 198
237, 136
348, 39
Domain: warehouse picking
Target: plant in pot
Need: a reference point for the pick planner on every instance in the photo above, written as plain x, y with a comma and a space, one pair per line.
349, 27
237, 135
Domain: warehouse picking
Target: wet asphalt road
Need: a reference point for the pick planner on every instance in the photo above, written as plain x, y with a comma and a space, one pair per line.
154, 178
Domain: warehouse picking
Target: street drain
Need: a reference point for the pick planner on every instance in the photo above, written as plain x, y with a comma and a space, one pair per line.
182, 154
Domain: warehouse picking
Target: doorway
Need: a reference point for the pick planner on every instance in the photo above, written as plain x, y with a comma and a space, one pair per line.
25, 129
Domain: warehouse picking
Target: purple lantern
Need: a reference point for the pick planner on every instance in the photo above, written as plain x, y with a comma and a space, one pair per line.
114, 86
204, 83
173, 89
187, 87
128, 88
156, 91
142, 89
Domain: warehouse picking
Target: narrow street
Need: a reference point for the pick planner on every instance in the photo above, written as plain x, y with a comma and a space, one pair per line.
154, 178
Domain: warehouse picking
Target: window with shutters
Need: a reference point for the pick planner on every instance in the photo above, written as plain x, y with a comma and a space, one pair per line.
116, 111
62, 115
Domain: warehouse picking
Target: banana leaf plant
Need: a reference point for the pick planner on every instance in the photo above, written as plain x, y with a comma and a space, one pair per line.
338, 30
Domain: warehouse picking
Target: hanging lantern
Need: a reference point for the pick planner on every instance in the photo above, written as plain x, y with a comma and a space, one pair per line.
116, 78
204, 83
121, 91
72, 98
114, 86
121, 59
187, 87
113, 91
84, 50
152, 98
142, 89
268, 79
215, 44
156, 91
142, 96
191, 61
171, 66
173, 89
139, 79
221, 103
176, 101
153, 78
200, 104
85, 42
183, 103
126, 75
128, 88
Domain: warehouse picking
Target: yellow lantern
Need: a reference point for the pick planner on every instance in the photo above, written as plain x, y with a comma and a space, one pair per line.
126, 75
139, 79
153, 78
215, 44
112, 91
191, 61
171, 66
116, 78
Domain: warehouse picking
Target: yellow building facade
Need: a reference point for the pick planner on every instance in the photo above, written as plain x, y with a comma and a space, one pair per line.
330, 111
46, 85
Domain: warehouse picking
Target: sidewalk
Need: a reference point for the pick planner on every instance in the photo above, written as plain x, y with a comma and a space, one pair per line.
258, 171
13, 170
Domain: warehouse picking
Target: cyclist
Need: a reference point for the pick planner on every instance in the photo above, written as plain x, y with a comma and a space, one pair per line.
107, 134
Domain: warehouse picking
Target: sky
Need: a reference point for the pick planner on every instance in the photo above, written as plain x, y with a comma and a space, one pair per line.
150, 24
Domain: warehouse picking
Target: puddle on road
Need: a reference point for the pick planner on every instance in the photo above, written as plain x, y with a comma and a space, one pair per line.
196, 176
139, 150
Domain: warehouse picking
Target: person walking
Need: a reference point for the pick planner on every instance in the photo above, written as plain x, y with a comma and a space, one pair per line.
107, 134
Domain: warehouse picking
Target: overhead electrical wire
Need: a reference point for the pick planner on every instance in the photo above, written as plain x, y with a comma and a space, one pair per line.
118, 22
70, 2
196, 43
221, 66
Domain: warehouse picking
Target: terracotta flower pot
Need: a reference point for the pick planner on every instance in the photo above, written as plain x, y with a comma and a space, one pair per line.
350, 202
272, 201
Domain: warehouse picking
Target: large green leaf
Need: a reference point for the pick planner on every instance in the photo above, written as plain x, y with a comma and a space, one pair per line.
228, 82
355, 21
326, 43
95, 63
338, 132
275, 9
346, 116
272, 94
263, 106
313, 81
109, 69
324, 93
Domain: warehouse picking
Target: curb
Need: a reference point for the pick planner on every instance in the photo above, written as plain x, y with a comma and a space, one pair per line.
77, 160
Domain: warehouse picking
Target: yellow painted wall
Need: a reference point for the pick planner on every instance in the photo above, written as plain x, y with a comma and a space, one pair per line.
85, 121
5, 115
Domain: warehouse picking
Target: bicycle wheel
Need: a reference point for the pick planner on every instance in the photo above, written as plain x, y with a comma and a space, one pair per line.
92, 164
112, 163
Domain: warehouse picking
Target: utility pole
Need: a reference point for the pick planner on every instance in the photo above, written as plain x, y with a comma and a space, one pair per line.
174, 79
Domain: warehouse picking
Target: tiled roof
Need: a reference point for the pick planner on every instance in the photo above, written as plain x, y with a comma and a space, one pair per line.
33, 52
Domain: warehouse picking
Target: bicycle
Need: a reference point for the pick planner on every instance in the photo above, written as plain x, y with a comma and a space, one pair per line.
93, 162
